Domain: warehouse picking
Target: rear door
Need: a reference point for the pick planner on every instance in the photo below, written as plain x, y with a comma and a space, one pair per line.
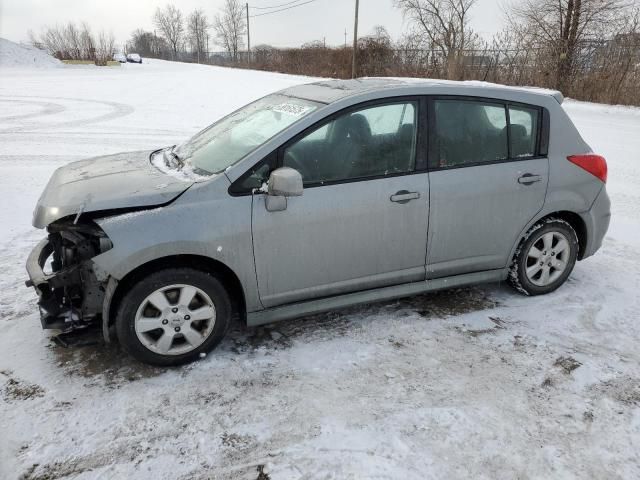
488, 180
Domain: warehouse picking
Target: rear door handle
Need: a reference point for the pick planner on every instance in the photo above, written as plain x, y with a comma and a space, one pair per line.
404, 196
529, 179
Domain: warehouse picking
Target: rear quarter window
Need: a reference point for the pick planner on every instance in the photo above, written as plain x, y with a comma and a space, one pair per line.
524, 125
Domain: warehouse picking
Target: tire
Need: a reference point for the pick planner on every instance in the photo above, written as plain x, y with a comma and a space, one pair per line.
173, 316
549, 246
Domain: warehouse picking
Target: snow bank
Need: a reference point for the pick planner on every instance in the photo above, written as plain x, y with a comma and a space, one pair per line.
14, 55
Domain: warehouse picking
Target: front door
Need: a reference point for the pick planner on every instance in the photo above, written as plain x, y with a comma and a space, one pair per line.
486, 185
361, 222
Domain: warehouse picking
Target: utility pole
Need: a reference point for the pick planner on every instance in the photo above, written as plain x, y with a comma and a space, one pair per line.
355, 42
248, 37
198, 38
345, 38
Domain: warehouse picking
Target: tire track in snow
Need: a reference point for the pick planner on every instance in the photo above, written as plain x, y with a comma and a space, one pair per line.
49, 108
118, 110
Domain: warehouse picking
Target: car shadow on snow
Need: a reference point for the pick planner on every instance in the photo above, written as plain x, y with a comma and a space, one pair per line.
442, 304
88, 356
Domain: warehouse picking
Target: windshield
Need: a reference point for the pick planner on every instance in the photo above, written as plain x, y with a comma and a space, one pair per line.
227, 141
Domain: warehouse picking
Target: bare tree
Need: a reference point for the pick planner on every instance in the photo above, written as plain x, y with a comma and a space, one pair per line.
105, 48
230, 27
142, 43
73, 41
197, 26
50, 39
87, 42
171, 25
148, 44
445, 25
67, 42
380, 34
560, 28
375, 52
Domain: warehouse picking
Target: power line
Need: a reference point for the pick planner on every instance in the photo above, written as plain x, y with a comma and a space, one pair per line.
283, 9
275, 6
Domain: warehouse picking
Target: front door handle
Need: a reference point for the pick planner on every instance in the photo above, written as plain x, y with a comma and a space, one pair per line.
404, 196
529, 179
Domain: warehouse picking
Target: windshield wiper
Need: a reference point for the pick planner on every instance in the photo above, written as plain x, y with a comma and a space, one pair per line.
179, 163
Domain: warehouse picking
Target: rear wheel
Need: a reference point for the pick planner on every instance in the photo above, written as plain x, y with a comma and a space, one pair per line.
545, 258
173, 316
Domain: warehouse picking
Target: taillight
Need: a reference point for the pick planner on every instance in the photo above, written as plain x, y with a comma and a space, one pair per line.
594, 164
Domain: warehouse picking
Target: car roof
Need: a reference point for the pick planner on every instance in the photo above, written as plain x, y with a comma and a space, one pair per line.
330, 91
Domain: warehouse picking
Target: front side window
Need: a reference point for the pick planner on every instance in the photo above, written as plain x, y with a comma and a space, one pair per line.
373, 141
229, 140
469, 132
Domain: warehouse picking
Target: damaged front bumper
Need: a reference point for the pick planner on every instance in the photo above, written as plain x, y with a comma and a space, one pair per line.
70, 289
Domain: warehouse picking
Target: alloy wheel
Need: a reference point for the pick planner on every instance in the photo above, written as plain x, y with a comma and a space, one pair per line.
175, 319
547, 258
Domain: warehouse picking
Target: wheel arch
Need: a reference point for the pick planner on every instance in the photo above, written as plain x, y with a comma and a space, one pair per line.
572, 218
578, 225
198, 262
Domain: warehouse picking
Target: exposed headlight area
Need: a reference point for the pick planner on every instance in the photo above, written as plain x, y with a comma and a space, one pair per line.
74, 243
60, 269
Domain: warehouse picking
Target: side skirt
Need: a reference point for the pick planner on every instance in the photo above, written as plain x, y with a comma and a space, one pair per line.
300, 309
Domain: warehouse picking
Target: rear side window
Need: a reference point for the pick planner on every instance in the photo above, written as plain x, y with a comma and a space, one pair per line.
523, 123
472, 132
469, 132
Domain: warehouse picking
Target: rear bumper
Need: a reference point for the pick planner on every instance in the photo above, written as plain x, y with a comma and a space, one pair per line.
597, 222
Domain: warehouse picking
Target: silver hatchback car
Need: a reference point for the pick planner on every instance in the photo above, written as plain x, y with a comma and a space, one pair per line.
314, 198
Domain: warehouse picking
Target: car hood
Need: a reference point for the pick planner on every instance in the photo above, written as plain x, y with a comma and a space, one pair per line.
120, 181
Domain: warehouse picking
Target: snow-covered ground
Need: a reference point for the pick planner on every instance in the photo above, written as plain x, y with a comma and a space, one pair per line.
475, 383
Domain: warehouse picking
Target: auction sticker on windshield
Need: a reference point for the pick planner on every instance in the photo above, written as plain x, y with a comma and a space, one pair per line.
292, 109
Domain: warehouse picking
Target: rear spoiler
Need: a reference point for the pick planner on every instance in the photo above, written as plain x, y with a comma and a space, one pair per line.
554, 93
558, 96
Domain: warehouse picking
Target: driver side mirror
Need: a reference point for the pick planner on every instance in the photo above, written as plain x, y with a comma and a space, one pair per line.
283, 182
286, 182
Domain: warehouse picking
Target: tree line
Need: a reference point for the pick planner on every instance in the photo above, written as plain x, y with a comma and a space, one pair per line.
588, 49
75, 42
176, 36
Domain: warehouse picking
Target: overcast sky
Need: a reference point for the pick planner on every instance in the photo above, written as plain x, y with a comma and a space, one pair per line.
314, 21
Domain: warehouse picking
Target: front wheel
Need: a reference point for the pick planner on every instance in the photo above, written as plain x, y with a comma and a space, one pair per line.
173, 316
545, 258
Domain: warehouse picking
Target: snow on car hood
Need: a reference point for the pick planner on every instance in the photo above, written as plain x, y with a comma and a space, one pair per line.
123, 180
